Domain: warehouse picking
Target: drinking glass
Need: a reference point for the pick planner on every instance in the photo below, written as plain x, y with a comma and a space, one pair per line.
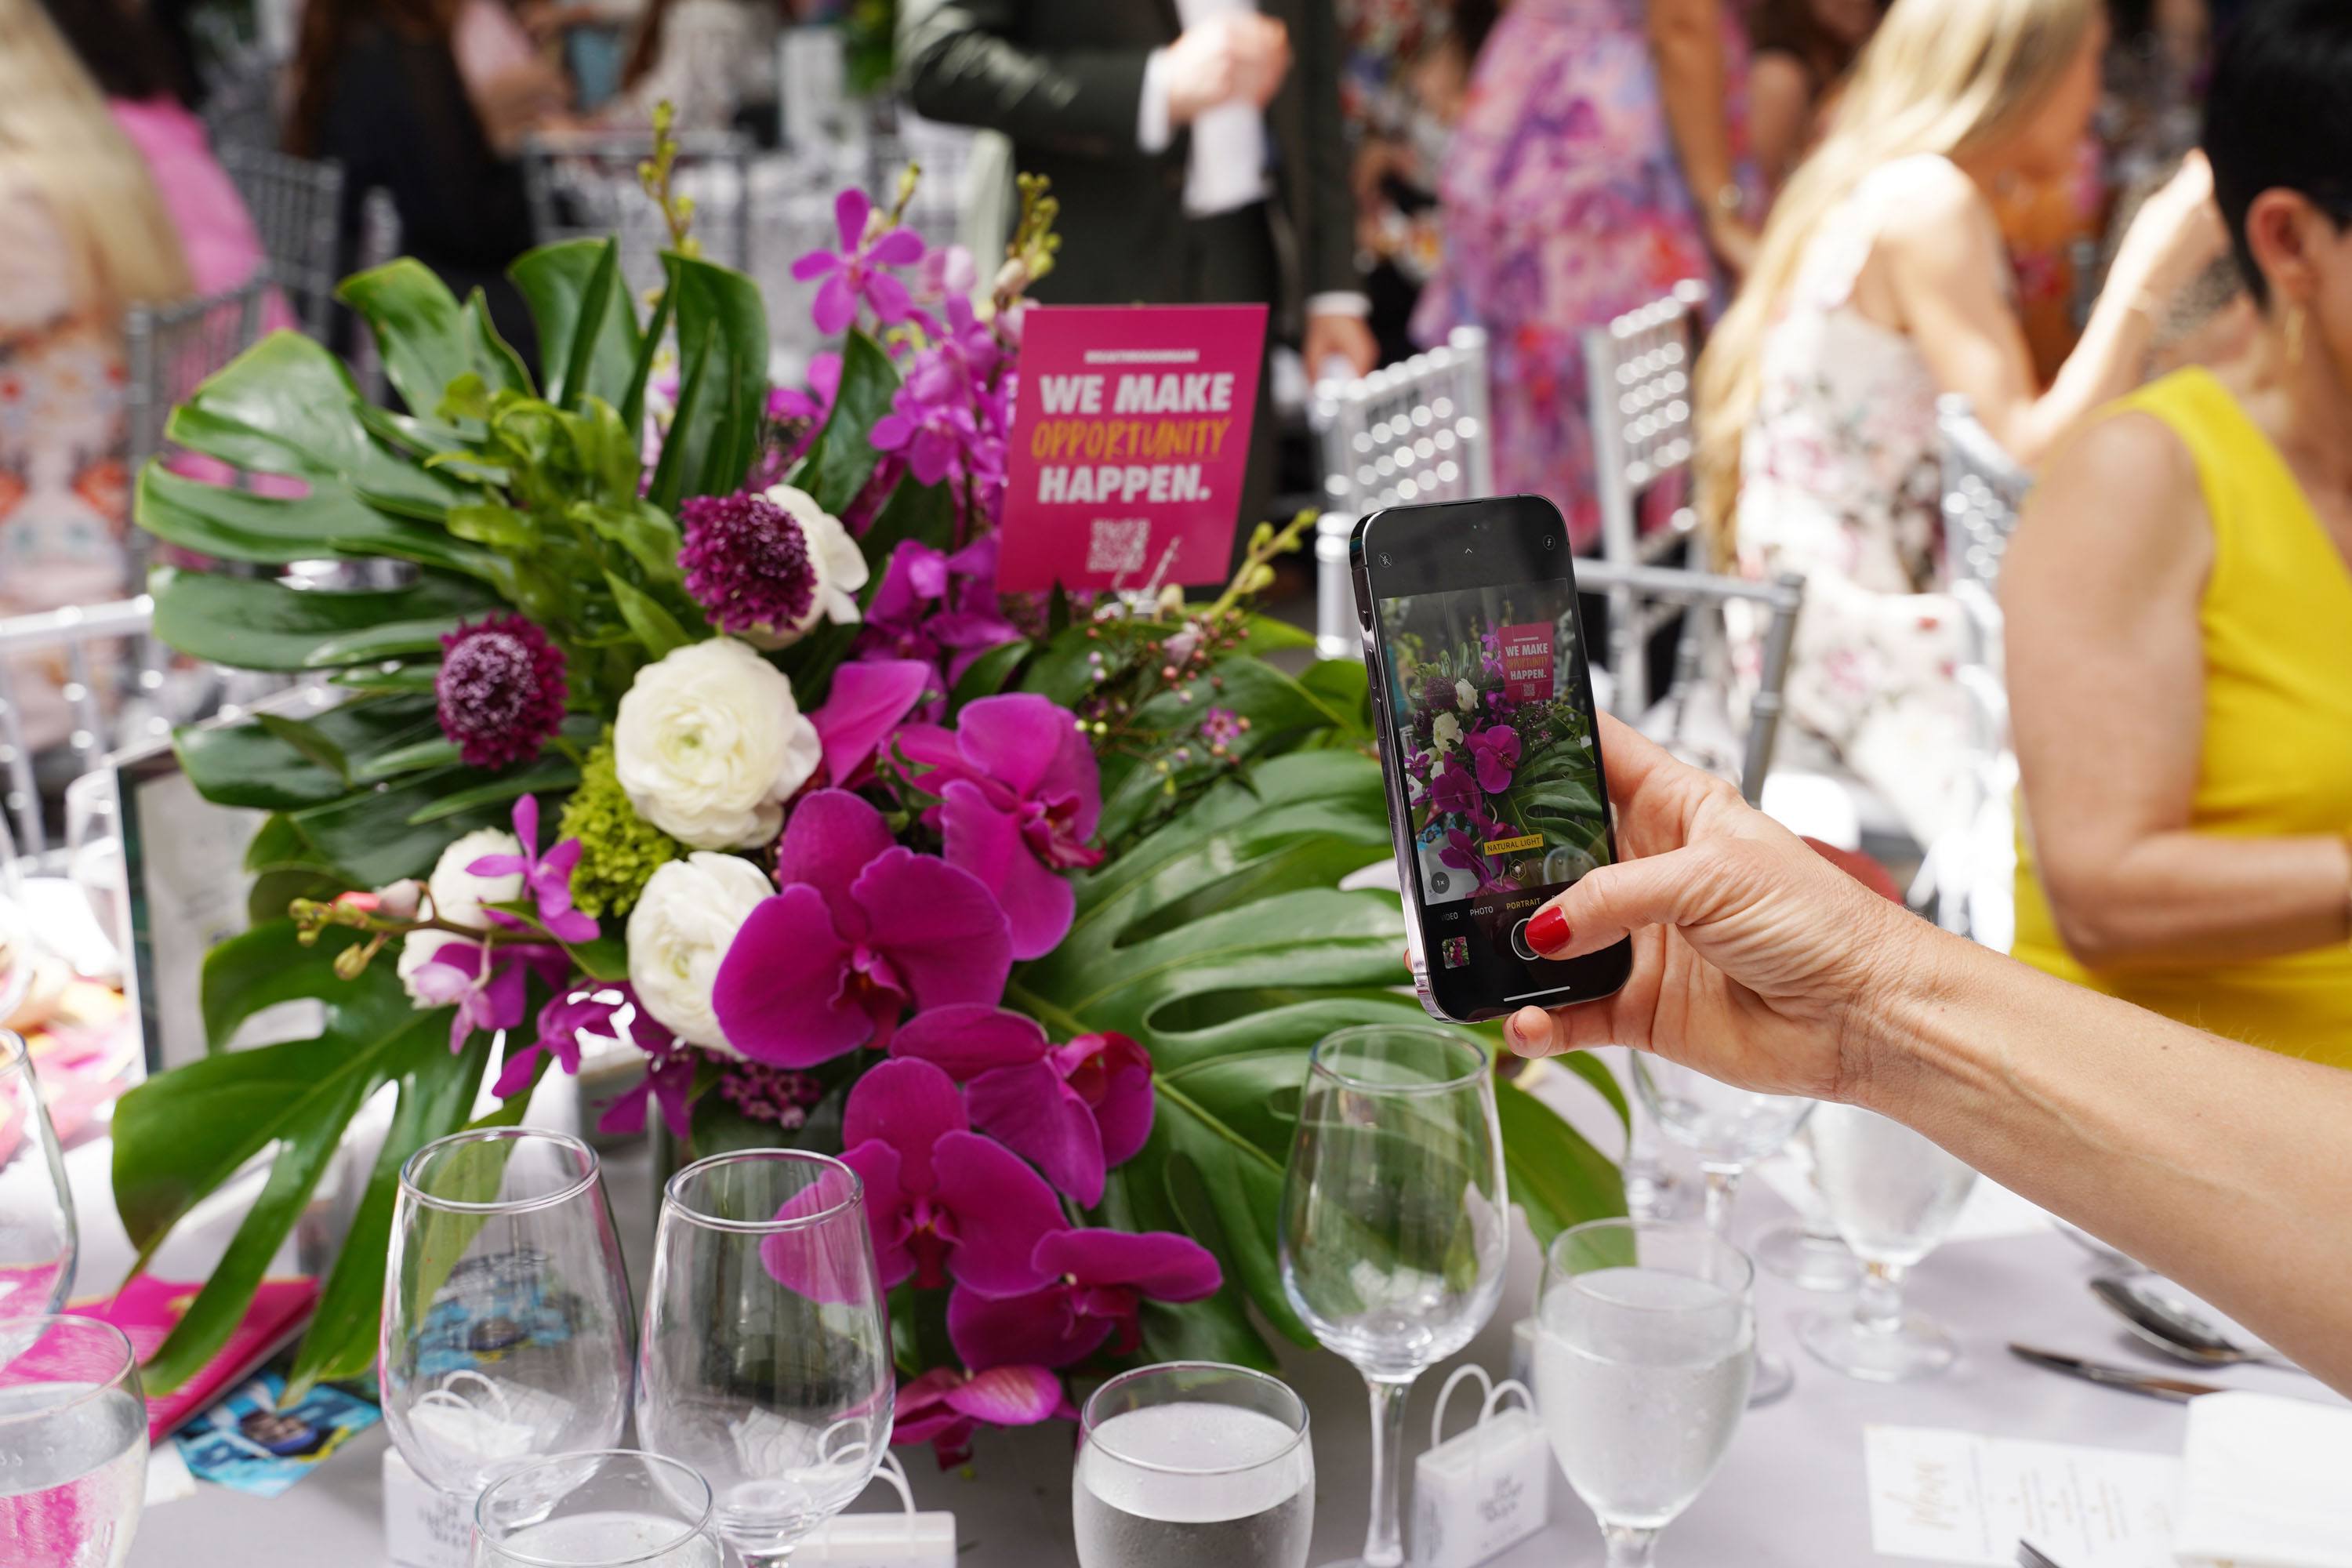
1191, 1462
38, 1239
73, 1443
505, 1310
1645, 1344
765, 1360
1729, 1129
1807, 1251
1894, 1195
614, 1509
1395, 1221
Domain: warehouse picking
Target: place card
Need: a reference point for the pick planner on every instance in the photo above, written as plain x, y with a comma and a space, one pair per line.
1966, 1499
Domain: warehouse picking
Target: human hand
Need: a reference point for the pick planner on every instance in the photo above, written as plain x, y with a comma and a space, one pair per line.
1340, 335
1233, 56
2175, 236
1755, 960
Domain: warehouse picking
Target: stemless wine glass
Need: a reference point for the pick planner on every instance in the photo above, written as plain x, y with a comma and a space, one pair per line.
73, 1443
1395, 1221
1729, 1129
765, 1360
505, 1310
616, 1507
1894, 1195
1193, 1462
1645, 1342
38, 1240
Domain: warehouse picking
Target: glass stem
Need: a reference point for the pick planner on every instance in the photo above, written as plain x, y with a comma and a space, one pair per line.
1722, 1186
1629, 1547
1878, 1309
1383, 1538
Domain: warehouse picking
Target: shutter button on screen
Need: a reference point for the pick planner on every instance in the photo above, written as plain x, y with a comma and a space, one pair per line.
1520, 943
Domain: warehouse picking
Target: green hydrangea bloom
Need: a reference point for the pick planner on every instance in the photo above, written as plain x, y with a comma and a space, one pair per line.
619, 850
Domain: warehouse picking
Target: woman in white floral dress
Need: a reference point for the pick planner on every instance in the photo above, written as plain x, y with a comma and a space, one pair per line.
1880, 283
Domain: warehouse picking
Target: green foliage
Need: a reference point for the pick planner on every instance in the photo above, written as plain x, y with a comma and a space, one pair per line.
619, 850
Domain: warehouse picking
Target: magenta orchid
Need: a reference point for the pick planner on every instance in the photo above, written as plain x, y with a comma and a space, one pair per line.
600, 1013
863, 928
1495, 753
1073, 1110
939, 608
854, 275
1455, 789
487, 982
548, 878
814, 404
1019, 796
868, 701
1101, 1280
947, 1405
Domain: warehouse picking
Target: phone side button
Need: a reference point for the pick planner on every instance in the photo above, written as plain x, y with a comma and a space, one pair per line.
1520, 943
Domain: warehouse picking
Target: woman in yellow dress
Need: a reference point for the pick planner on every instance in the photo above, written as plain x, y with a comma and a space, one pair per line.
2180, 612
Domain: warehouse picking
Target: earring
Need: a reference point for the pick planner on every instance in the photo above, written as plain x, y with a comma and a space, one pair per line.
2295, 337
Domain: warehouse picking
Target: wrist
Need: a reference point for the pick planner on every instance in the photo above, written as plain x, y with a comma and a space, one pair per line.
1886, 1029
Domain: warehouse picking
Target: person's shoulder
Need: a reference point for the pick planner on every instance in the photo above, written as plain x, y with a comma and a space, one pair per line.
1925, 197
2128, 473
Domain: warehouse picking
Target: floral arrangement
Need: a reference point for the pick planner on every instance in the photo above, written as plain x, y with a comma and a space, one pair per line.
700, 729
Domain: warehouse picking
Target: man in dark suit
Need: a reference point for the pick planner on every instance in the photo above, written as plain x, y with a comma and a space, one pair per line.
1195, 147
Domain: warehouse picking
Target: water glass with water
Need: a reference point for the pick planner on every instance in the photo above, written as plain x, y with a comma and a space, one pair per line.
765, 1362
1894, 1195
1194, 1462
1728, 1129
73, 1443
38, 1240
1645, 1345
505, 1310
1395, 1221
614, 1509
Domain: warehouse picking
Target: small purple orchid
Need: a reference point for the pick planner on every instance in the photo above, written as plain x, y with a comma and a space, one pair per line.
816, 403
547, 878
1462, 853
945, 1406
599, 1012
935, 434
869, 699
1495, 752
1454, 789
486, 983
938, 608
1019, 797
943, 1201
852, 274
1101, 1280
1073, 1110
862, 927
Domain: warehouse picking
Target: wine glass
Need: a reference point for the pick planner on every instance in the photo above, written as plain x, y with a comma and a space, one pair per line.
73, 1443
1193, 1462
505, 1310
1894, 1195
614, 1509
1645, 1344
1807, 1251
1395, 1221
38, 1239
1729, 1129
765, 1362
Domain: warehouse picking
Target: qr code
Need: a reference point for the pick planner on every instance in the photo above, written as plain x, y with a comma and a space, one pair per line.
1118, 545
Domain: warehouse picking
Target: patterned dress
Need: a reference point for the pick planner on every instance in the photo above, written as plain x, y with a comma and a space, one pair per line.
1564, 207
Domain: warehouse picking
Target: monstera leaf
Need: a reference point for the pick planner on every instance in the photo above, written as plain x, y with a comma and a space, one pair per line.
1222, 943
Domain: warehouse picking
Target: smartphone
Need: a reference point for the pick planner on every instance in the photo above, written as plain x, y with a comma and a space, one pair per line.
1498, 792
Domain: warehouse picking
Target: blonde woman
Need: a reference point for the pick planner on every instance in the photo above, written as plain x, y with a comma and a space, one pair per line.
1880, 282
83, 236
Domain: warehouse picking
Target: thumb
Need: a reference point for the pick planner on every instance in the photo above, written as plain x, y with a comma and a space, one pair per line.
1677, 887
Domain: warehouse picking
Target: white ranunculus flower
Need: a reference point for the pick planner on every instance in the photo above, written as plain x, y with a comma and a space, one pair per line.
709, 745
840, 565
684, 922
1445, 730
1465, 695
458, 897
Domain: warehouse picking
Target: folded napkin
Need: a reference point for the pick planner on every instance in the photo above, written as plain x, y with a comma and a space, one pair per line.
2264, 1484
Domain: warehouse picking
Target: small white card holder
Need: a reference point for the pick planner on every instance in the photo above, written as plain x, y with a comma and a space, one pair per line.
1486, 1488
423, 1527
908, 1540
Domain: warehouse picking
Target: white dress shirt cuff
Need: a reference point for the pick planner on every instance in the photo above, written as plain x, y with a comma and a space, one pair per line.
1152, 131
1340, 302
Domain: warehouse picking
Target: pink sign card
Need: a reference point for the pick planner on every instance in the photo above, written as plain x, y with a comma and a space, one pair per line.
1526, 661
1130, 434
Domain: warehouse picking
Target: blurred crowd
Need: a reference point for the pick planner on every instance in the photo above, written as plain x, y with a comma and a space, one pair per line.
1889, 203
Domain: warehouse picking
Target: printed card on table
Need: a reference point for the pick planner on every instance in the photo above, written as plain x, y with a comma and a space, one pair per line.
1130, 438
1963, 1500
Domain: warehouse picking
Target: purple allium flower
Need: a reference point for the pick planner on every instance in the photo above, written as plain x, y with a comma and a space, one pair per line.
854, 273
547, 880
598, 1012
945, 1406
1101, 1280
747, 562
500, 691
764, 1093
1437, 692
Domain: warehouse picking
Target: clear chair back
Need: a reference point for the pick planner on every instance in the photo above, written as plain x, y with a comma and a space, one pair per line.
1984, 488
297, 205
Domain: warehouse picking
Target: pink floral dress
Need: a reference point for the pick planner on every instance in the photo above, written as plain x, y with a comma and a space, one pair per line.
1840, 483
1564, 207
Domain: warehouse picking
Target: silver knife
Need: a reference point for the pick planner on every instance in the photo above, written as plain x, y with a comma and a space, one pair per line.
2179, 1390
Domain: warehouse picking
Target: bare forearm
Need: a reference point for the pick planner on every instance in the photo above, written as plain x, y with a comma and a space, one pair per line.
2203, 897
2106, 364
1686, 36
2223, 1165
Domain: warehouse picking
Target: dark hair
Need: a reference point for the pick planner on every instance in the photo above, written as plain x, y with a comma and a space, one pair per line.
326, 34
2279, 116
123, 49
1790, 27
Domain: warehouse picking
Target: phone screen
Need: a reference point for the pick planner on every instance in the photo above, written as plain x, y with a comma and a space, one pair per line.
1490, 742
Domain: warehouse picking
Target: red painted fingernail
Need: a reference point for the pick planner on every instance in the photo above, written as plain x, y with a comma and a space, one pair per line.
1548, 931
